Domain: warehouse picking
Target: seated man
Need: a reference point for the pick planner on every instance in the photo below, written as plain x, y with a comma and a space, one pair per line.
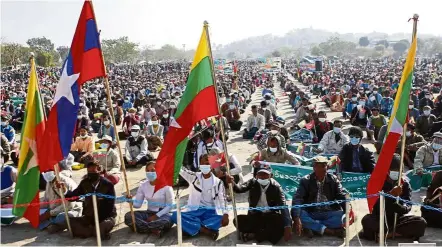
107, 129
427, 155
334, 140
154, 134
255, 123
136, 149
263, 110
413, 142
129, 121
267, 225
156, 219
108, 159
9, 132
84, 226
375, 123
232, 114
408, 226
205, 145
360, 114
424, 123
355, 157
218, 164
317, 187
434, 199
322, 127
8, 180
275, 130
206, 190
83, 145
380, 139
54, 218
275, 153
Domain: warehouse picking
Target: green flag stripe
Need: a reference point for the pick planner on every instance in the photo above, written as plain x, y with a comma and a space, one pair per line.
199, 78
402, 111
179, 155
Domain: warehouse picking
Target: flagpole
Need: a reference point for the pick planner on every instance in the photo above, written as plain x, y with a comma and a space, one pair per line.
60, 191
117, 138
206, 27
401, 168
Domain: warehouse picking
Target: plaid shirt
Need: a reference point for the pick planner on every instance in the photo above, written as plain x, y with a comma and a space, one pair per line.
386, 106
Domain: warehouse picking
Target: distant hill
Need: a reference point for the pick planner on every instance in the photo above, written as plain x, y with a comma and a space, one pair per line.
299, 38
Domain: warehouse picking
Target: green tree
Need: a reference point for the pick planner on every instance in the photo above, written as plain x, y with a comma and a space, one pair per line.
44, 59
383, 42
363, 41
316, 51
63, 51
40, 44
400, 47
13, 54
169, 52
379, 48
276, 53
119, 50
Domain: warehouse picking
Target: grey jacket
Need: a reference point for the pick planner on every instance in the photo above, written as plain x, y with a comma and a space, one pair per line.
425, 157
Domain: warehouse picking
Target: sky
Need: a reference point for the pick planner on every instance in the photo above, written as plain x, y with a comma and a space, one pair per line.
178, 22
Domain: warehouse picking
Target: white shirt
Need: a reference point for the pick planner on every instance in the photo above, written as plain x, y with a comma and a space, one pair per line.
206, 194
436, 157
263, 199
161, 199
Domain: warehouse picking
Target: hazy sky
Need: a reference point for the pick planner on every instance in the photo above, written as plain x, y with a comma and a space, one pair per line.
177, 22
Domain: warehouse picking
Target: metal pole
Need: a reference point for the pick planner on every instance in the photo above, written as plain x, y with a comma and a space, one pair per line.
381, 218
60, 191
206, 27
415, 19
178, 219
347, 220
97, 222
117, 138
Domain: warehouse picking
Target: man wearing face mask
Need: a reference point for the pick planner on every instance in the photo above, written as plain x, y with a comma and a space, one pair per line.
334, 140
360, 114
263, 110
233, 116
127, 105
83, 227
159, 107
413, 142
275, 153
206, 144
350, 105
355, 157
322, 126
83, 145
148, 113
108, 159
157, 218
302, 112
275, 129
208, 191
271, 105
106, 129
375, 99
318, 187
267, 225
54, 218
129, 121
426, 101
407, 226
386, 104
413, 113
425, 122
375, 123
255, 123
423, 93
136, 149
154, 134
427, 155
165, 121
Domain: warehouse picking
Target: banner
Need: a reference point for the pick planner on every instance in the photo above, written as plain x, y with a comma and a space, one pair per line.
289, 176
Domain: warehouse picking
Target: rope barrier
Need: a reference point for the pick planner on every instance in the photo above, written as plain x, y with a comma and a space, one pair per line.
122, 199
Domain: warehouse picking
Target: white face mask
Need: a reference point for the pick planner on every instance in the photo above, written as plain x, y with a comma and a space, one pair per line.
337, 130
427, 112
165, 115
375, 92
172, 106
273, 150
408, 133
81, 104
321, 120
159, 103
154, 122
427, 96
205, 169
48, 176
134, 134
362, 103
102, 108
410, 107
83, 136
354, 99
263, 182
4, 123
107, 122
79, 117
394, 175
231, 107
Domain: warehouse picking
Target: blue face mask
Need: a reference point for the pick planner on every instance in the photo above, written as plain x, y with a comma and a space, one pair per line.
354, 140
205, 169
151, 176
104, 145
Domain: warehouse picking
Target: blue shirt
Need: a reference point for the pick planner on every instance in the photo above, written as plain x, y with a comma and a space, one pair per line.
386, 106
356, 162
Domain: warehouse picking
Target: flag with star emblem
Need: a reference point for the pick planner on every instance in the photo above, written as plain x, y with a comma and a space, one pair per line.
26, 188
197, 103
84, 63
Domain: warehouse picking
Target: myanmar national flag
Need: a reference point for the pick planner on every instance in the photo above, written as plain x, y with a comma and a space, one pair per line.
197, 103
26, 188
395, 127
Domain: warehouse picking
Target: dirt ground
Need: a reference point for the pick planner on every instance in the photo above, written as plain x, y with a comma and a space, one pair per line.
22, 234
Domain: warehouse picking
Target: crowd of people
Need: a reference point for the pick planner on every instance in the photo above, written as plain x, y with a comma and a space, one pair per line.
145, 99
